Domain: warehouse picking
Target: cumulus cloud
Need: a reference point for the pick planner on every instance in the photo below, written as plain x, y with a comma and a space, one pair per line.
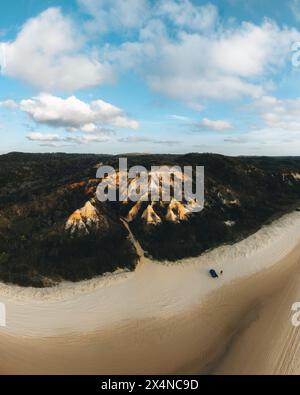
88, 139
55, 140
215, 125
277, 128
36, 136
48, 52
74, 114
91, 120
276, 140
55, 145
8, 104
282, 114
220, 64
180, 48
107, 15
225, 65
187, 15
144, 139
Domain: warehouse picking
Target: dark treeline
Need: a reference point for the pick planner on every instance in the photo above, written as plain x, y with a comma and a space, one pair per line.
39, 191
263, 187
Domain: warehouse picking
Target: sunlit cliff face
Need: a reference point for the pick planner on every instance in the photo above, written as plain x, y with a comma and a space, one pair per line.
85, 219
153, 199
151, 204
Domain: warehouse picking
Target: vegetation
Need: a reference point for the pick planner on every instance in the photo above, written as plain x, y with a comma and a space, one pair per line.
241, 194
39, 192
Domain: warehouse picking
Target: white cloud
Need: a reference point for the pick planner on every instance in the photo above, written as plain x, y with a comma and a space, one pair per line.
55, 139
107, 15
235, 140
278, 126
215, 125
9, 104
35, 136
88, 139
48, 52
282, 114
144, 139
55, 145
195, 106
74, 114
280, 141
181, 49
192, 17
226, 63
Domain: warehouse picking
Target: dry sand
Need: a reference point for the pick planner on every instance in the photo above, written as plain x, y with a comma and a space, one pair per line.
166, 318
266, 342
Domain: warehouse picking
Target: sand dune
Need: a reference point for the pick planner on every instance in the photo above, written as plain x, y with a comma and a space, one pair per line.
163, 318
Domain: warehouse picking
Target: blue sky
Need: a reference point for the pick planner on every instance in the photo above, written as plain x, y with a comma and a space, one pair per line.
172, 76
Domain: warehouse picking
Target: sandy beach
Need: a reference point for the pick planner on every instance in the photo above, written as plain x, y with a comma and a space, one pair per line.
166, 318
266, 342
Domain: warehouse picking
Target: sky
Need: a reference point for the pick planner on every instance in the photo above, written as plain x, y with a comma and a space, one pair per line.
155, 76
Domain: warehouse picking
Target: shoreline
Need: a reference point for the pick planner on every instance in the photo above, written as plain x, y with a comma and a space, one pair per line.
193, 342
218, 257
153, 290
163, 318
